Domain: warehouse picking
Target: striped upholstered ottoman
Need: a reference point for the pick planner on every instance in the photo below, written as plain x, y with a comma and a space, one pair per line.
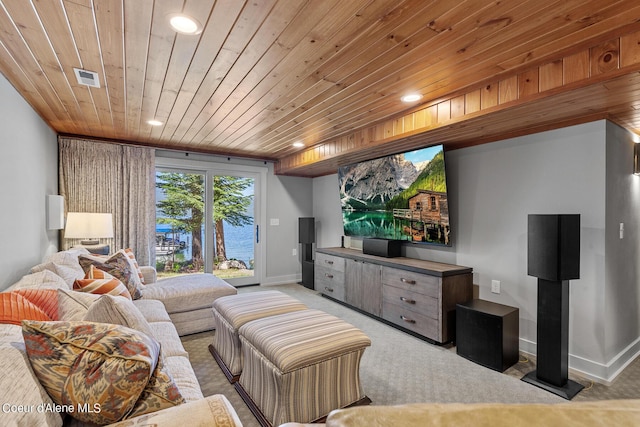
231, 312
299, 366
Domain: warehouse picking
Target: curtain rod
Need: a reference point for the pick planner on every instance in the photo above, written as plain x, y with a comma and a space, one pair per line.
162, 147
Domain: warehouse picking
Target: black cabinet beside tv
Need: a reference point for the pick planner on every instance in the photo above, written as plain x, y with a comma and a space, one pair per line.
414, 295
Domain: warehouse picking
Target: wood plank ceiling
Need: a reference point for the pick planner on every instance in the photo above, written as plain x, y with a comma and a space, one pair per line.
264, 74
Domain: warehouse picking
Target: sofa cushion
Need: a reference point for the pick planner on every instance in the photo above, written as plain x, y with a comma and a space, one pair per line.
168, 338
45, 279
19, 385
160, 392
188, 292
97, 281
73, 305
45, 299
152, 310
119, 266
14, 308
81, 362
184, 377
118, 311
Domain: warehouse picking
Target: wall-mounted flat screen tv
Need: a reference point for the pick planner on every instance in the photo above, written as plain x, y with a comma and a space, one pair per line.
400, 197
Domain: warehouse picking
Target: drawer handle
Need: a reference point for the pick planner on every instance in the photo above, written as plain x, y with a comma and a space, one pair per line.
406, 319
407, 281
330, 276
328, 289
407, 300
328, 262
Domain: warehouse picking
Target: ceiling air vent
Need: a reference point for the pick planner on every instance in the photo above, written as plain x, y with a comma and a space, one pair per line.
88, 78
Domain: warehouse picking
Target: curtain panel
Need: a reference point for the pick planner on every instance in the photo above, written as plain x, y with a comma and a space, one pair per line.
112, 178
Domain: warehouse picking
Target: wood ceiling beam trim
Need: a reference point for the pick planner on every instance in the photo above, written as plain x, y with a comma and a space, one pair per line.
596, 65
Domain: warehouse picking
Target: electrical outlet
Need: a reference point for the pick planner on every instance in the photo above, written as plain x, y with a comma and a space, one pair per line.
622, 230
495, 286
294, 252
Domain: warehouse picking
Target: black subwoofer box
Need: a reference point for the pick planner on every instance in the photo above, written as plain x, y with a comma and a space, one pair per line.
382, 247
488, 333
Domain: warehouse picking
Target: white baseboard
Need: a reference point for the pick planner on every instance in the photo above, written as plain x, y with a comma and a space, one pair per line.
598, 372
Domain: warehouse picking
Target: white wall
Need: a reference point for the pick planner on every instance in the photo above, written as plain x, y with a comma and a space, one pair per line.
622, 290
288, 198
28, 172
492, 189
326, 210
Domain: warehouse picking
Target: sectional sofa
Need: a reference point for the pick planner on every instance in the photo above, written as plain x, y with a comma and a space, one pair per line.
619, 413
25, 391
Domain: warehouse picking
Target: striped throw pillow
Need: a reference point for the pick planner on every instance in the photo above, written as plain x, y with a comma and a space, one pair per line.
132, 257
97, 281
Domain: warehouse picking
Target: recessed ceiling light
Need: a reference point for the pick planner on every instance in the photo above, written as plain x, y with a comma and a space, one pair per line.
154, 122
184, 24
412, 97
298, 144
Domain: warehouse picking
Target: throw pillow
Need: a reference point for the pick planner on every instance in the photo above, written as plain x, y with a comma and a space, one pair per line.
118, 311
14, 308
64, 264
132, 257
119, 266
74, 305
97, 281
45, 299
68, 274
95, 364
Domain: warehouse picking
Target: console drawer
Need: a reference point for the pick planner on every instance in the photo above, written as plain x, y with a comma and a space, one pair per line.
330, 282
412, 301
411, 320
330, 261
415, 282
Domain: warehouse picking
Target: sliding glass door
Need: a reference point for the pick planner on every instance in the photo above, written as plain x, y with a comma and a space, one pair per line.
180, 211
208, 220
235, 229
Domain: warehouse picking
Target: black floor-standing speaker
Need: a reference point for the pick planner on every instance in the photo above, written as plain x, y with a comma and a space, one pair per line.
553, 256
306, 237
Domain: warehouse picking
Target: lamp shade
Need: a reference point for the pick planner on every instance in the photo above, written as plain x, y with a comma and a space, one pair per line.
85, 225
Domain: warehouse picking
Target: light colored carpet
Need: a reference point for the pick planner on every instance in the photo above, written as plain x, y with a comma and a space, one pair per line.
397, 368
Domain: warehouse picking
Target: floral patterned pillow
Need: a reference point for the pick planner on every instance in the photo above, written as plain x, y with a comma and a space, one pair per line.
91, 366
120, 266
